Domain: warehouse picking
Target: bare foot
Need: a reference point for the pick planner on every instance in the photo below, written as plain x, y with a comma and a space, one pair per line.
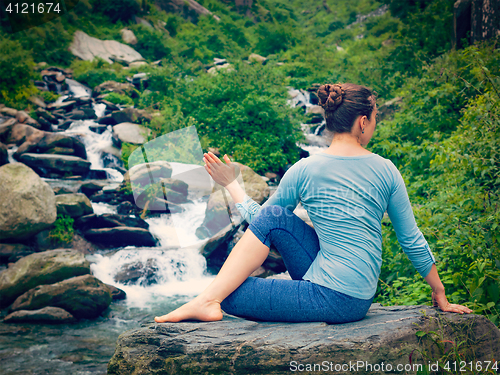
197, 309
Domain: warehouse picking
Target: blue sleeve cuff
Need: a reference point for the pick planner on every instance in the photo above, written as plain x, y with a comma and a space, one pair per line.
248, 208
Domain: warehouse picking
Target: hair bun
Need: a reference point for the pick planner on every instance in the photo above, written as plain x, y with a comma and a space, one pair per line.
330, 96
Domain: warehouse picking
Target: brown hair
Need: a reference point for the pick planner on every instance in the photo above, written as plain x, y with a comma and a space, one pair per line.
343, 103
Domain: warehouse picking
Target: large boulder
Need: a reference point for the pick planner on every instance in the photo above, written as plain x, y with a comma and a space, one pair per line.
27, 203
40, 268
88, 48
47, 315
84, 297
129, 132
41, 142
74, 205
387, 335
48, 164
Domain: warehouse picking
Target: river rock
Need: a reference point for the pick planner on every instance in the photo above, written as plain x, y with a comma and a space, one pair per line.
22, 116
116, 293
4, 154
138, 273
131, 115
88, 48
45, 164
42, 142
12, 252
6, 128
74, 205
121, 236
40, 268
27, 203
8, 111
94, 221
85, 297
239, 346
141, 174
130, 133
47, 315
19, 133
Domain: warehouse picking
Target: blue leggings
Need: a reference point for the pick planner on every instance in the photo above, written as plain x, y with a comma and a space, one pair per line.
293, 300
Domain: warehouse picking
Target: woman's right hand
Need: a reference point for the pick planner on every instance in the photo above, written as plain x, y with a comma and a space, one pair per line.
222, 173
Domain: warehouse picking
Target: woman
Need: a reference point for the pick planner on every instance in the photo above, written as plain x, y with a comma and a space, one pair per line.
335, 266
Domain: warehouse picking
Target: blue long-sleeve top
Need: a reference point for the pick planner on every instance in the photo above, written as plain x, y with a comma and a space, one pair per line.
346, 197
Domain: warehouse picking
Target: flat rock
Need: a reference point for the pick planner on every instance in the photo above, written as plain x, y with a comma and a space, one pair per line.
84, 297
53, 163
87, 48
27, 203
40, 268
47, 315
239, 346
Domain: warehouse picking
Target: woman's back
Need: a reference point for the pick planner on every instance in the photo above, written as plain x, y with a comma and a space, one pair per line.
346, 197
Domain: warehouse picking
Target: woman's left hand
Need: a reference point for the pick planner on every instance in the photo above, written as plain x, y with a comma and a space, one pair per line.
440, 300
222, 173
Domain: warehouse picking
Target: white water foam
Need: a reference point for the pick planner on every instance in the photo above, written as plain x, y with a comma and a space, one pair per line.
95, 144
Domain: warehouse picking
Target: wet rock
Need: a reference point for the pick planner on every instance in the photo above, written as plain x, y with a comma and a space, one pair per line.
6, 128
73, 205
138, 273
131, 115
40, 268
47, 315
116, 293
4, 154
45, 164
19, 133
94, 221
42, 113
130, 133
120, 237
91, 187
238, 346
27, 203
84, 297
36, 100
87, 48
68, 105
107, 120
11, 253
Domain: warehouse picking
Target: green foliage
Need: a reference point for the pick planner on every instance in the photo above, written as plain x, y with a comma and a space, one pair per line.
453, 169
116, 10
16, 70
151, 44
49, 96
93, 73
62, 231
121, 99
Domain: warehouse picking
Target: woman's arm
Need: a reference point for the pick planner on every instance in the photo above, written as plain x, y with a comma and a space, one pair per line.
225, 174
438, 294
414, 244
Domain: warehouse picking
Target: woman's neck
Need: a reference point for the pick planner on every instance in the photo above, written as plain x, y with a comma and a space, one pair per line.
346, 145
